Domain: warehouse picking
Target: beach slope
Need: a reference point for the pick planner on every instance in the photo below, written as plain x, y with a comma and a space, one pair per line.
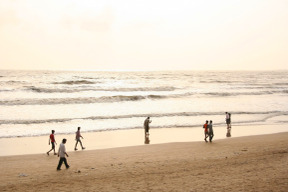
252, 163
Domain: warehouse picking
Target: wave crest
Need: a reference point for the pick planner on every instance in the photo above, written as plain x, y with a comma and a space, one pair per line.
136, 89
81, 100
158, 115
75, 82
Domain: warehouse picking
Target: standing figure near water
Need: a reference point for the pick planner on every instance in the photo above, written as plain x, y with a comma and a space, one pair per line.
227, 119
146, 125
206, 135
210, 130
228, 134
78, 136
53, 142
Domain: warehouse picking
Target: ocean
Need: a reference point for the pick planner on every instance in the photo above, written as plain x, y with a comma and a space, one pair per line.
35, 102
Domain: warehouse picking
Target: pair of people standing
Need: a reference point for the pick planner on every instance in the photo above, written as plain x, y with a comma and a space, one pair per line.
208, 131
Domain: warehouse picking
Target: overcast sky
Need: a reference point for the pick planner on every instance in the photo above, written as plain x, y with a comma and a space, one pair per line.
144, 34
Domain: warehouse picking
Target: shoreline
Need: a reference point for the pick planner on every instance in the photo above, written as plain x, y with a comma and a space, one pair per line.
126, 138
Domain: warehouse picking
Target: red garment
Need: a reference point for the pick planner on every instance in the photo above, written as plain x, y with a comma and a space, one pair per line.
206, 127
52, 138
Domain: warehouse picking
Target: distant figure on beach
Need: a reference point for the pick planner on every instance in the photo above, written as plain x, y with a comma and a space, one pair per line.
227, 119
146, 125
228, 134
78, 136
53, 142
230, 121
210, 130
206, 135
61, 154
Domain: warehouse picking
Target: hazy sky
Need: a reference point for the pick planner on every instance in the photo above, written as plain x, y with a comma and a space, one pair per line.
144, 34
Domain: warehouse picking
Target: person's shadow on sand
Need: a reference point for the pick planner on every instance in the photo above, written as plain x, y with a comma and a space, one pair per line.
147, 140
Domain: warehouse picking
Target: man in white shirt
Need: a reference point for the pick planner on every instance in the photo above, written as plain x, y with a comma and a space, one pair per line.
210, 130
62, 153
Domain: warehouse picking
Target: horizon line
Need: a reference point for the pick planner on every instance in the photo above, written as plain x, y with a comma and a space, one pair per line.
178, 70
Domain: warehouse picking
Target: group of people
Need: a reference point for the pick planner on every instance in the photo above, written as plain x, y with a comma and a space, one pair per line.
208, 128
208, 133
62, 149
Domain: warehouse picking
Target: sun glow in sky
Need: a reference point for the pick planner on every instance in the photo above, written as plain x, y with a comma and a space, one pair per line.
144, 34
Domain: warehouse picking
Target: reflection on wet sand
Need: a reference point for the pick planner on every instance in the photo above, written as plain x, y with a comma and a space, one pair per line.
147, 140
228, 134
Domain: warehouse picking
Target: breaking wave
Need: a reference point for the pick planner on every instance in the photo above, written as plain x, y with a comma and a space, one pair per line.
81, 100
75, 82
269, 114
122, 98
262, 118
70, 90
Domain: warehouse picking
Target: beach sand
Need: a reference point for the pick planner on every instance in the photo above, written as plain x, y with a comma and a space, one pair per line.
249, 163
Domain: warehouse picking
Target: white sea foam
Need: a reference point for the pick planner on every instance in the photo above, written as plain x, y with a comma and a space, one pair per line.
32, 103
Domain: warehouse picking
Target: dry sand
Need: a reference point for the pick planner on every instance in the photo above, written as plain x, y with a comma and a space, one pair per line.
252, 163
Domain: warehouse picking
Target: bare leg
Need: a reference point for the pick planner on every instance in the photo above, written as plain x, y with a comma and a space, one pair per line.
206, 136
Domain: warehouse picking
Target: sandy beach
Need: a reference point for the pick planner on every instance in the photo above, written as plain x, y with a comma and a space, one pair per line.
248, 163
108, 70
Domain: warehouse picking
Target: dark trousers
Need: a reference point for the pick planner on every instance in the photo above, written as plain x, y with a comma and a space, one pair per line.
62, 159
78, 140
146, 130
211, 135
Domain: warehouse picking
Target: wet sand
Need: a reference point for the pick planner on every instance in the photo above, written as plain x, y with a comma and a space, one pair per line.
124, 138
249, 163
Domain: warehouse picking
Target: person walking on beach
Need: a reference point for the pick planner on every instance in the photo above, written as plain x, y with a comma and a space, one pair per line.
61, 154
146, 125
206, 135
78, 136
53, 142
210, 130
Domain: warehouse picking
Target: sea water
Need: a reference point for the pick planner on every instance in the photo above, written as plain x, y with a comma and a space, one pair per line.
32, 103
